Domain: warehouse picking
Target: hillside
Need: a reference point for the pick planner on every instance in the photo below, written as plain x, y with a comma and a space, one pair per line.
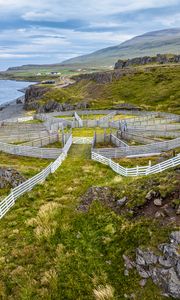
151, 88
151, 43
50, 250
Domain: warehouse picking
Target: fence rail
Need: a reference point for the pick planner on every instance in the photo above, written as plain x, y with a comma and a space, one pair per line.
28, 185
77, 117
82, 140
137, 171
122, 151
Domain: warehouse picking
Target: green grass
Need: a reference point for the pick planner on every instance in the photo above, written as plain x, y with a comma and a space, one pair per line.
88, 132
35, 121
49, 250
54, 145
153, 89
28, 166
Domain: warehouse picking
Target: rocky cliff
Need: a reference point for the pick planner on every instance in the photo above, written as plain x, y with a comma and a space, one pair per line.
35, 93
158, 59
104, 77
32, 95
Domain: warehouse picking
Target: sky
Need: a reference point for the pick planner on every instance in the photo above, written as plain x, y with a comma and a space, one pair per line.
50, 31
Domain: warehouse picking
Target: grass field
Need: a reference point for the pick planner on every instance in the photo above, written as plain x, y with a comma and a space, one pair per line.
49, 250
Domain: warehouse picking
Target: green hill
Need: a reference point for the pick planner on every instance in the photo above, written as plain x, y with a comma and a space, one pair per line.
151, 88
151, 43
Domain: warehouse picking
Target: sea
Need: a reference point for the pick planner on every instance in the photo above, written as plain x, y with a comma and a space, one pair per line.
9, 90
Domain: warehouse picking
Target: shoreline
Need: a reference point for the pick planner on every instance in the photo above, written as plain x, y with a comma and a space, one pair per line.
14, 101
13, 108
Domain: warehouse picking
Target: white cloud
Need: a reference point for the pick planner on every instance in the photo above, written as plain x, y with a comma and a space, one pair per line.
82, 9
11, 55
56, 44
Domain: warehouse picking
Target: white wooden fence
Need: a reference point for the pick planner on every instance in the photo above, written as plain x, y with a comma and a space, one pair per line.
137, 171
107, 117
28, 185
150, 149
47, 153
82, 140
40, 142
77, 117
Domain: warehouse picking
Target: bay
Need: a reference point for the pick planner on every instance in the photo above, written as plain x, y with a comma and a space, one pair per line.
9, 90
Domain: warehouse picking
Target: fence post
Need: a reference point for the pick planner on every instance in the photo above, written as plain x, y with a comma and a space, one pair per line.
137, 170
12, 194
1, 213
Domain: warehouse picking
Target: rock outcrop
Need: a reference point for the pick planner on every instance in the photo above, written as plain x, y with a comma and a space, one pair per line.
10, 177
163, 268
104, 77
32, 95
160, 59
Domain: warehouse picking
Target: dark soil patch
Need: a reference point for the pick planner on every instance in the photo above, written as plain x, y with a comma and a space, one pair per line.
167, 213
103, 194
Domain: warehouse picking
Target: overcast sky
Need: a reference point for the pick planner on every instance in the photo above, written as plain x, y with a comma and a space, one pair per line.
50, 31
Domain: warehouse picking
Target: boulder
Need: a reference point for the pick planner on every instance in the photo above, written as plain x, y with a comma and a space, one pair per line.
165, 262
142, 272
122, 201
159, 214
158, 202
129, 264
151, 195
145, 258
164, 269
175, 237
142, 282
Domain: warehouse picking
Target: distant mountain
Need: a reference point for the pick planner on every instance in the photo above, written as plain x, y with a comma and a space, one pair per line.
151, 43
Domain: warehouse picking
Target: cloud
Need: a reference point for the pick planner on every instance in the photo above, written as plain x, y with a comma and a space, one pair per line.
51, 31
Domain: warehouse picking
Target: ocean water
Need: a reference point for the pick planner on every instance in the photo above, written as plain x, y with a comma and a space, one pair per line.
9, 90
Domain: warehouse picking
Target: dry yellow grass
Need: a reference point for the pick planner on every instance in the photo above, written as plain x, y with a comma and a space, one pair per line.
104, 292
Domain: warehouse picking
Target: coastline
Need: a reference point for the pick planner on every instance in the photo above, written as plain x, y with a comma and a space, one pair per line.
21, 90
15, 107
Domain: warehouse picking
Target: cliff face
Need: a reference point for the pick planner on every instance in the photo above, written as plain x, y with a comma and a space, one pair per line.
160, 59
34, 94
104, 77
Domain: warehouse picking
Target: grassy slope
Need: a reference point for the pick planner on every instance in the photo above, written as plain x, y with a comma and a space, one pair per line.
153, 89
49, 250
27, 166
151, 43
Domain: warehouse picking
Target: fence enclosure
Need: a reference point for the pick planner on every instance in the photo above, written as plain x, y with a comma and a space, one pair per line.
137, 171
